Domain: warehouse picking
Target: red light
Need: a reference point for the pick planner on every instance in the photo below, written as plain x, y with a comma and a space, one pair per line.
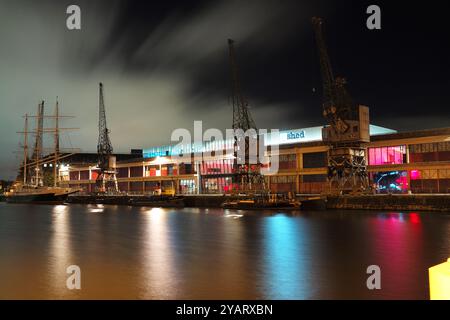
414, 174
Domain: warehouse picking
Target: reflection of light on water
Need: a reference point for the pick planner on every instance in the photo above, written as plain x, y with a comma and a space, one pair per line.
60, 248
396, 241
97, 209
157, 254
232, 259
229, 214
234, 216
153, 211
59, 209
286, 254
395, 217
414, 218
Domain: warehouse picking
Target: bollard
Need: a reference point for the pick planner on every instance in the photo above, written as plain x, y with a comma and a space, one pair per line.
440, 281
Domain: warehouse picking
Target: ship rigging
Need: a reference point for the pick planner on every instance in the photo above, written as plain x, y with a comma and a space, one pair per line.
31, 184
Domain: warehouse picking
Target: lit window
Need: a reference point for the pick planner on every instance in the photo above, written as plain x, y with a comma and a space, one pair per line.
387, 155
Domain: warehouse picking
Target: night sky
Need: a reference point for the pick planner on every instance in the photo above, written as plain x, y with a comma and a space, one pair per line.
165, 64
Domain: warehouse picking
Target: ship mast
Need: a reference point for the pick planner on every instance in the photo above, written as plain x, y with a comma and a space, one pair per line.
37, 153
25, 150
55, 162
37, 158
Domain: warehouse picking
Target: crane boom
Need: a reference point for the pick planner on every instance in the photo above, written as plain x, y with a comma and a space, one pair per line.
104, 147
106, 180
242, 118
247, 175
348, 127
338, 107
325, 64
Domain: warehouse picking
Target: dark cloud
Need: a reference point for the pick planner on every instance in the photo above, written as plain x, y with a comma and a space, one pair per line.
165, 64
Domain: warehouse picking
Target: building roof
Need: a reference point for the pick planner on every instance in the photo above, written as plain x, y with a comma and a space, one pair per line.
307, 137
312, 134
281, 138
413, 134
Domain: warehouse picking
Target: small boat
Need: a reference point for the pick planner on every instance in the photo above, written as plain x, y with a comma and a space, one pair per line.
261, 203
164, 202
314, 203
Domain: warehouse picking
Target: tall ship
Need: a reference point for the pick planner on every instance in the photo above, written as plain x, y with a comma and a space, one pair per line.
38, 178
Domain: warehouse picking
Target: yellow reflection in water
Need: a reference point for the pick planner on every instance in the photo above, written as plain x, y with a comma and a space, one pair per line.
60, 250
157, 280
97, 208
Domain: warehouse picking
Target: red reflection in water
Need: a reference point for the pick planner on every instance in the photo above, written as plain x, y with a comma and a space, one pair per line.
397, 248
414, 218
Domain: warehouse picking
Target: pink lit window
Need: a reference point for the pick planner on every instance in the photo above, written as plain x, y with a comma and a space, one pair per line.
386, 155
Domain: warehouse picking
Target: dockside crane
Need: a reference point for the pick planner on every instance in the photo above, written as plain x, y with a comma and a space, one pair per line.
106, 180
347, 131
247, 176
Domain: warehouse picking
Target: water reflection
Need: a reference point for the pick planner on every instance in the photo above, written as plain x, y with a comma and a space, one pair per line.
157, 255
231, 266
286, 259
234, 216
60, 249
98, 208
154, 253
397, 247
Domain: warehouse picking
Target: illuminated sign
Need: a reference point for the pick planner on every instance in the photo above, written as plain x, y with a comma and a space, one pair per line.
296, 135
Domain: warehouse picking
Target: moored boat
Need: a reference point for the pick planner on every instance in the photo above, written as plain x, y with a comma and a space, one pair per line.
31, 194
261, 202
31, 185
158, 201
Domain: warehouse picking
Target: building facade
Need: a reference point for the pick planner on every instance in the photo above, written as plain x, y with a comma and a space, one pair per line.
411, 162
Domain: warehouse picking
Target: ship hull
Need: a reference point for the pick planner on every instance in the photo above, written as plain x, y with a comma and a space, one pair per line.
43, 198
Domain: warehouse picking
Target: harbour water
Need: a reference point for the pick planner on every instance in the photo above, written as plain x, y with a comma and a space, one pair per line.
153, 253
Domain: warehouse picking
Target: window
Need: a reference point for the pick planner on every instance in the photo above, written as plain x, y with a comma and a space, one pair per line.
287, 161
315, 160
387, 155
314, 178
429, 152
136, 172
283, 179
122, 172
187, 186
